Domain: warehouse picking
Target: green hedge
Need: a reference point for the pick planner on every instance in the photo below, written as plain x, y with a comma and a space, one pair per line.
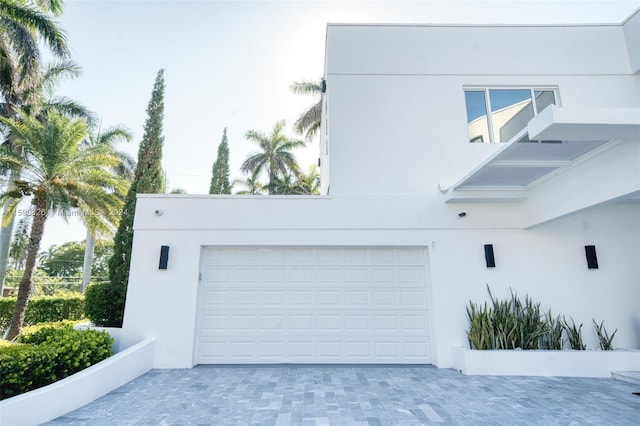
44, 309
104, 304
48, 353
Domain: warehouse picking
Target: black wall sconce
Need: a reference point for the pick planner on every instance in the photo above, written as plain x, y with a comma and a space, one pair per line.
164, 257
488, 256
592, 259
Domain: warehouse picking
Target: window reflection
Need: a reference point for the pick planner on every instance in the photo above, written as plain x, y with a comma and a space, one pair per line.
505, 113
511, 110
477, 116
544, 98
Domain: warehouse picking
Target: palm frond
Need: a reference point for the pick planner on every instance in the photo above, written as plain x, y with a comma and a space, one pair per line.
306, 87
34, 20
54, 6
57, 71
69, 107
309, 122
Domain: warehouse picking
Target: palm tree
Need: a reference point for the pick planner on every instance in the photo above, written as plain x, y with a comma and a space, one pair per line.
309, 183
283, 185
297, 183
252, 183
60, 174
309, 122
125, 169
275, 156
28, 93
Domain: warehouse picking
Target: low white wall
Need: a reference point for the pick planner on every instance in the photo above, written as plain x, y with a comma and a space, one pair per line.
71, 393
545, 363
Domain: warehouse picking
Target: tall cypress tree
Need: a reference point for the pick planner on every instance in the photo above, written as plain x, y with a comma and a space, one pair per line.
220, 170
148, 179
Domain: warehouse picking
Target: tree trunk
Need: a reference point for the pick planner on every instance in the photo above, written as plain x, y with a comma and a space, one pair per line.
26, 283
88, 261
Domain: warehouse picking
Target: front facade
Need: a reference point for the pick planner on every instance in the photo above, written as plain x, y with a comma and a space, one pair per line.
436, 141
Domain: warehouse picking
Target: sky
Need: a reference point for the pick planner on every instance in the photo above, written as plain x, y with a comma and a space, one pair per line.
231, 63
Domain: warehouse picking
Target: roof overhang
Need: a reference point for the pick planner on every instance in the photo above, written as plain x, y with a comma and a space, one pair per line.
553, 141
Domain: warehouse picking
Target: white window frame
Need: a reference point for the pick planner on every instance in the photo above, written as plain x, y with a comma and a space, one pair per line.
487, 100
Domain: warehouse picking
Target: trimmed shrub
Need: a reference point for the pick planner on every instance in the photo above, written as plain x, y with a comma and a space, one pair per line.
104, 304
44, 309
48, 353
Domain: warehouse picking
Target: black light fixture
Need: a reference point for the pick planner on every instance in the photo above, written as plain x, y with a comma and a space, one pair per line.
324, 85
164, 257
462, 214
592, 259
488, 256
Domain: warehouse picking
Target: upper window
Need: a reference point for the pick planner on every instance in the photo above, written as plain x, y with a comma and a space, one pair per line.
497, 115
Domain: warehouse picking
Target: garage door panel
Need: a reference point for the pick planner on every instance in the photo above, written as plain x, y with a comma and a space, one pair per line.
416, 349
386, 349
273, 348
356, 323
385, 298
356, 298
329, 349
356, 256
410, 256
327, 256
299, 298
319, 304
411, 298
356, 276
273, 275
330, 322
411, 275
383, 276
274, 298
332, 275
330, 299
414, 322
272, 322
358, 349
384, 256
385, 322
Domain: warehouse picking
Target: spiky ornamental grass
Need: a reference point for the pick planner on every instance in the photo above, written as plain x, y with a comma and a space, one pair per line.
552, 339
505, 324
603, 336
574, 334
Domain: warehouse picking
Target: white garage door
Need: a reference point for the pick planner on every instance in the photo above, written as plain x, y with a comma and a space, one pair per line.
313, 305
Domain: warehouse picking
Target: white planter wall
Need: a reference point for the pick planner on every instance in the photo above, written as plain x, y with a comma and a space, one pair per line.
545, 363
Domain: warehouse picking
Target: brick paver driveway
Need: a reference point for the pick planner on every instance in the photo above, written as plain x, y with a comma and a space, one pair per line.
357, 395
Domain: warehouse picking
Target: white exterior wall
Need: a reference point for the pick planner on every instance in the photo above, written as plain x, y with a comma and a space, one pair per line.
395, 129
396, 99
548, 262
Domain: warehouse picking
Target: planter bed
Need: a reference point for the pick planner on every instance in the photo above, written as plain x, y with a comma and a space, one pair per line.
48, 402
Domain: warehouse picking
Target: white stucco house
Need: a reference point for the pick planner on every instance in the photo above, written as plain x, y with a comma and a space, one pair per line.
436, 141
